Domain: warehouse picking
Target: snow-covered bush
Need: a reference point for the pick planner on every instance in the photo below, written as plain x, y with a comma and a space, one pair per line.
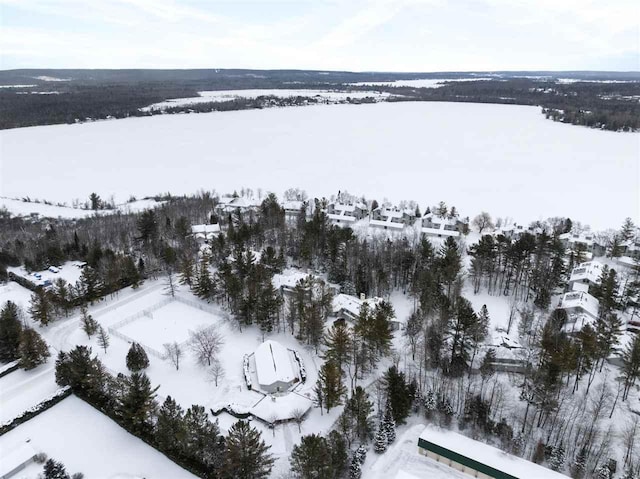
245, 367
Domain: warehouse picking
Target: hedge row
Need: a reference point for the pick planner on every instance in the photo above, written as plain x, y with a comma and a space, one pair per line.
39, 408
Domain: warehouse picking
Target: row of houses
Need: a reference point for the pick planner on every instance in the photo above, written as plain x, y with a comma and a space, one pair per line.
395, 219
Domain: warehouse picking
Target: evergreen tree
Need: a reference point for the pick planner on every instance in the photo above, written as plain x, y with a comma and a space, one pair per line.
556, 460
204, 443
89, 325
389, 424
205, 287
579, 464
54, 470
630, 365
398, 394
312, 458
628, 230
487, 368
138, 404
338, 343
41, 309
137, 358
355, 469
339, 453
103, 339
186, 271
84, 374
32, 349
603, 472
360, 408
10, 330
170, 430
380, 441
246, 454
429, 404
330, 384
90, 285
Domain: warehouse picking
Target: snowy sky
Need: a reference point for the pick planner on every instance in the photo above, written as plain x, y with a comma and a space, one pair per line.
386, 35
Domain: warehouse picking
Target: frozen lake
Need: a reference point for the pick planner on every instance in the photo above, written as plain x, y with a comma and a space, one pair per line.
508, 160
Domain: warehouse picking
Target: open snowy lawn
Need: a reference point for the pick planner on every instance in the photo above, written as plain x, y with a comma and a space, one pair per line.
505, 159
26, 208
21, 390
87, 441
172, 322
11, 291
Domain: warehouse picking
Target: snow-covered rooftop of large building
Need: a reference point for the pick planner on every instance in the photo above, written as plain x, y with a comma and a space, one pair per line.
273, 363
487, 455
590, 271
579, 300
205, 229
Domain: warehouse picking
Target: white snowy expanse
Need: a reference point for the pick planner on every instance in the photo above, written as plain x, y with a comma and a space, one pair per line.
87, 441
227, 95
26, 208
505, 159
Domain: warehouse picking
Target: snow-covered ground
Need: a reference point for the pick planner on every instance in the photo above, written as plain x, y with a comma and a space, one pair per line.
419, 83
26, 208
11, 291
505, 159
87, 441
21, 390
227, 95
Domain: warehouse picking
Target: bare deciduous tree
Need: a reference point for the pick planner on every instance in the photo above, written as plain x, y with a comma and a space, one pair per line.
216, 372
298, 417
205, 343
170, 284
483, 221
173, 352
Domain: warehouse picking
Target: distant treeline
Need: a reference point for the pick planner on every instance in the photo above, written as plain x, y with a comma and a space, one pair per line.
98, 94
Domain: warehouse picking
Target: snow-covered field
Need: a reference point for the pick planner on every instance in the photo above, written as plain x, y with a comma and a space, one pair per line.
227, 95
26, 208
505, 159
170, 323
87, 441
21, 390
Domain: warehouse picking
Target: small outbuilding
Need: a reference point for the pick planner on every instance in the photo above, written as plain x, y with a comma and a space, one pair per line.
274, 367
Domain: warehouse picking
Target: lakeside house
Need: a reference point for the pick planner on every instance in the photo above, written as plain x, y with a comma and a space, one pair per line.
346, 214
392, 218
204, 233
434, 225
588, 273
581, 308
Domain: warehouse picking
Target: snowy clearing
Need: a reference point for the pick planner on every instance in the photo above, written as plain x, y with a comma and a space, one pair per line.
29, 208
506, 153
111, 453
228, 95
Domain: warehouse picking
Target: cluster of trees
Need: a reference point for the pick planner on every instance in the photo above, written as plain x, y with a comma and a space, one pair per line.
188, 437
18, 341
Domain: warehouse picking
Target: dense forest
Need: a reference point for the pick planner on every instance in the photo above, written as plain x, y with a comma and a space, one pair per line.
596, 99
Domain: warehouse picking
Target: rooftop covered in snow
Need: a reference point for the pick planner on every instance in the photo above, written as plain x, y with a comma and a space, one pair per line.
456, 445
273, 366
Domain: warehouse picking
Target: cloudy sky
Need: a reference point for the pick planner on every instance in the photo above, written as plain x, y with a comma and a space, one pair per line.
392, 35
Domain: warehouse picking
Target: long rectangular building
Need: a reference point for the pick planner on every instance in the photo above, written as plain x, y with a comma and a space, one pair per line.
478, 459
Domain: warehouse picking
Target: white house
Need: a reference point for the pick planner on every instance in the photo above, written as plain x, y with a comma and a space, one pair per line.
292, 208
581, 308
433, 225
204, 233
586, 273
229, 204
346, 214
584, 242
274, 367
348, 307
391, 218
